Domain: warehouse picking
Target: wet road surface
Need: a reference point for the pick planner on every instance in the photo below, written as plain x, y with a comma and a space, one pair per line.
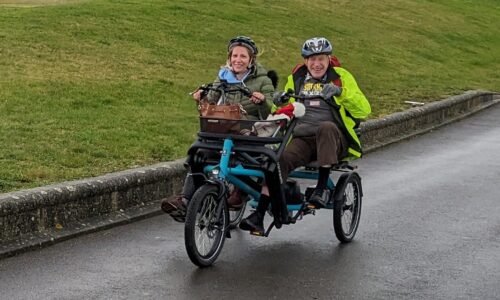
430, 229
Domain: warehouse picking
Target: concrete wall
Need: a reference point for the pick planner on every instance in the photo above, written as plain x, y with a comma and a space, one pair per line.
45, 215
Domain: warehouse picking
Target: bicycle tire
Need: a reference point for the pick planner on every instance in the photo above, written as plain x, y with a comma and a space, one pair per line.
347, 201
235, 216
205, 216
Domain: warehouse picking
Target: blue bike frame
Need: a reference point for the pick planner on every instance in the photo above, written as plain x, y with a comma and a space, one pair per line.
223, 172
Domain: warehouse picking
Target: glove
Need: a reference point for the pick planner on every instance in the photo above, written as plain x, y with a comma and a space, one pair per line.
280, 98
330, 90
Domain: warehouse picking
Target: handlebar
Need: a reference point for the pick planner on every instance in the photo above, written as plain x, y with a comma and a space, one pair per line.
284, 97
224, 88
281, 98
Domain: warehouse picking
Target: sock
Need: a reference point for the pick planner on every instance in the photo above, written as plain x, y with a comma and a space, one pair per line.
264, 202
324, 174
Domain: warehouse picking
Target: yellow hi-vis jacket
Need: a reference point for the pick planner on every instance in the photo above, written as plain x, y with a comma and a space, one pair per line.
352, 104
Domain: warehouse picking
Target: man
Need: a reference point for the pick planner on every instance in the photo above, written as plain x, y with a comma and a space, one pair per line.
326, 132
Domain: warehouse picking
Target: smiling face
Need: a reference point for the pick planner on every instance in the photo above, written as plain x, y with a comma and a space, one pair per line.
240, 59
317, 65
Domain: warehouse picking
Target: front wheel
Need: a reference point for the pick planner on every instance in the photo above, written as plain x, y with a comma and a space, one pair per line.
206, 225
347, 206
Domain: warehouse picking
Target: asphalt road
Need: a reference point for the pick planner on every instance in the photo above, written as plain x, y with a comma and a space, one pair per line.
430, 229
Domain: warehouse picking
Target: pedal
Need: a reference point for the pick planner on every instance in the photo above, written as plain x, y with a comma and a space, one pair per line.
311, 206
309, 209
257, 233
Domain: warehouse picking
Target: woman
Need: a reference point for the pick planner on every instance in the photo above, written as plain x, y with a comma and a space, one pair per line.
243, 69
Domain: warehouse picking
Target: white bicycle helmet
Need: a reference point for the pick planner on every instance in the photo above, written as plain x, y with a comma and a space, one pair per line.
316, 45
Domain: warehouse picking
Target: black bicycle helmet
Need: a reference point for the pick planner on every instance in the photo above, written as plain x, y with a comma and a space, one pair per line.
317, 45
244, 41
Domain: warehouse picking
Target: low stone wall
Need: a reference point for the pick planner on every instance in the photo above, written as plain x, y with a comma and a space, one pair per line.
417, 120
36, 217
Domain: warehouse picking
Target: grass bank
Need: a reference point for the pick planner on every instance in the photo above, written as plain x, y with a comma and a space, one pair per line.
89, 87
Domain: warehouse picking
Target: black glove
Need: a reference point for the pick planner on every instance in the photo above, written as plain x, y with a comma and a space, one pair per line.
330, 90
280, 98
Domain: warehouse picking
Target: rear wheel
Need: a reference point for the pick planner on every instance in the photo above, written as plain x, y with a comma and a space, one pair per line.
347, 206
206, 223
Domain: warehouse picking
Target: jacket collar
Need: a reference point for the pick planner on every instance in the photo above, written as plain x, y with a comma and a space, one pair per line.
227, 75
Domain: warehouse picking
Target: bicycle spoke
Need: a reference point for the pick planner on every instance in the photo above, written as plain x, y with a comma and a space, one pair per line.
204, 231
208, 225
348, 210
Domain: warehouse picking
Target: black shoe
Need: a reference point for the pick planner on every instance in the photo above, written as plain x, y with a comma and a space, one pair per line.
316, 199
175, 206
253, 223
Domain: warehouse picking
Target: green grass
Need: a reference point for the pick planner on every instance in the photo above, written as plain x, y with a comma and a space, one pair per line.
89, 87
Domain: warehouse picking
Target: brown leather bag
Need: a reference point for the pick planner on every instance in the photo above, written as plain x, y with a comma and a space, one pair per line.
226, 112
